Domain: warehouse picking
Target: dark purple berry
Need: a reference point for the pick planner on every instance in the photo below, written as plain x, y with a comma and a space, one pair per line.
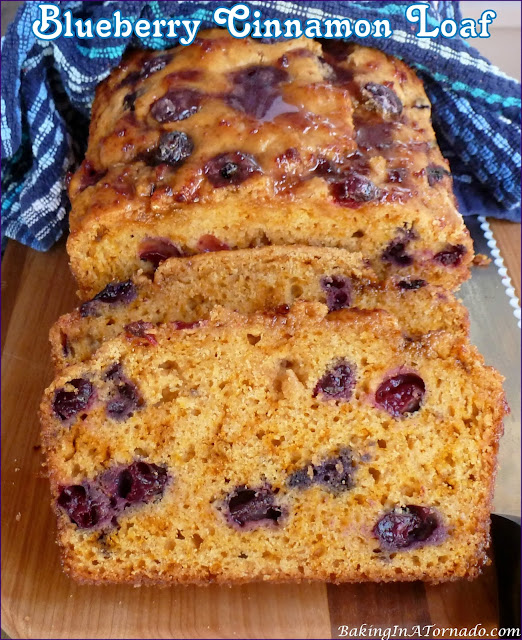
280, 310
395, 253
208, 243
149, 67
452, 256
152, 65
156, 250
397, 175
256, 76
338, 382
174, 147
229, 168
67, 404
138, 329
324, 168
411, 284
176, 104
337, 49
247, 506
401, 394
341, 75
124, 397
381, 98
354, 164
124, 401
141, 481
358, 163
335, 474
114, 372
405, 528
256, 89
89, 175
435, 174
99, 502
374, 135
118, 292
85, 506
289, 157
66, 347
338, 292
114, 293
270, 39
354, 190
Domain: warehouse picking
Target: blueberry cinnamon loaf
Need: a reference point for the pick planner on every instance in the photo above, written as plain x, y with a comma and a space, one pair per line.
275, 446
247, 280
251, 143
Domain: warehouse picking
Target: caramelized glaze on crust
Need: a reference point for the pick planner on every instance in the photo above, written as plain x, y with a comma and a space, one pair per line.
264, 447
253, 143
186, 290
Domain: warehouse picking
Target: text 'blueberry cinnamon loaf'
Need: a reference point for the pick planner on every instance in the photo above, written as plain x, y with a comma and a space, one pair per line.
274, 447
186, 289
235, 143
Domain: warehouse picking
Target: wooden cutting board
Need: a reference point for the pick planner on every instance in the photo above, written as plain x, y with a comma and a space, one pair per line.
39, 601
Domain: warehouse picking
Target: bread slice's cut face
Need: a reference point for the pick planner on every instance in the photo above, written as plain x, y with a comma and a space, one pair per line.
292, 446
186, 289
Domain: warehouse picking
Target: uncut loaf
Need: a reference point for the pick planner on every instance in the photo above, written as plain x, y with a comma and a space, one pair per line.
236, 143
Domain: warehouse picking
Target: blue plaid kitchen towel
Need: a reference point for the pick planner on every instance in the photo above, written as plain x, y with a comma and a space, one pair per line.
48, 87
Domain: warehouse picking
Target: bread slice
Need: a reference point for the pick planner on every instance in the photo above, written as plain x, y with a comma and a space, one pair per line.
186, 289
279, 447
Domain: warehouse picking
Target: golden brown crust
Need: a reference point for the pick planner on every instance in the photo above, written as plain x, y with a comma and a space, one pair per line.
206, 431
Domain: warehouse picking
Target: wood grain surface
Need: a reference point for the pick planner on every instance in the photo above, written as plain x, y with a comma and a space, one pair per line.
39, 601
